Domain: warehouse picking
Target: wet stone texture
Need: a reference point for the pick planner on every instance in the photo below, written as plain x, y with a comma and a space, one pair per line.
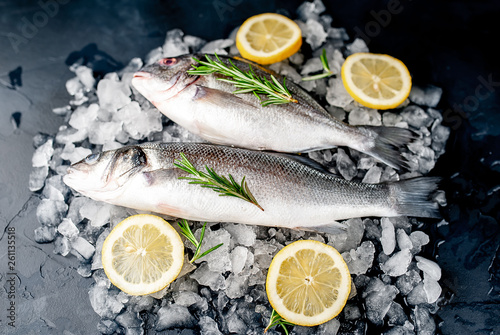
71, 74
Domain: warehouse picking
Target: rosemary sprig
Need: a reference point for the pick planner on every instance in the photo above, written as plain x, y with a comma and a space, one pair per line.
327, 72
186, 231
221, 184
246, 82
276, 320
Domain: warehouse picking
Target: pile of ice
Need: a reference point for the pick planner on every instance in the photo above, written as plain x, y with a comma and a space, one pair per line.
395, 290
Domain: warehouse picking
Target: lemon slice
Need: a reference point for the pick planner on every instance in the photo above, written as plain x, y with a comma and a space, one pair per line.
142, 254
268, 38
308, 283
376, 80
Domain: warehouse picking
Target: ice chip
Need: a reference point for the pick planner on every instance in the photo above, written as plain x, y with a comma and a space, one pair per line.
174, 45
396, 315
217, 47
388, 238
51, 213
398, 264
432, 289
403, 240
83, 116
429, 267
314, 33
426, 96
74, 154
238, 258
351, 312
378, 301
310, 10
373, 176
358, 45
365, 116
107, 327
104, 302
241, 233
336, 94
312, 65
70, 135
424, 322
418, 240
194, 43
219, 260
208, 326
42, 154
45, 234
407, 282
235, 324
205, 277
237, 285
61, 110
86, 77
349, 238
345, 165
73, 86
103, 132
138, 123
186, 298
174, 316
62, 246
67, 228
440, 133
113, 94
97, 259
391, 119
360, 260
83, 247
37, 178
416, 117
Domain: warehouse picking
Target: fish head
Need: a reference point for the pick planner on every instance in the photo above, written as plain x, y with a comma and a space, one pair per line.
102, 176
165, 78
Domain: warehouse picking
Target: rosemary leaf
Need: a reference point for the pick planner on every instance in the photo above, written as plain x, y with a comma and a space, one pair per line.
326, 69
247, 81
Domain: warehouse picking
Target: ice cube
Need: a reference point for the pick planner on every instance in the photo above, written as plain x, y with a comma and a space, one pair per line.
83, 247
51, 213
424, 322
97, 259
235, 324
350, 238
107, 327
138, 123
417, 295
314, 33
74, 154
351, 312
62, 246
373, 175
194, 43
310, 10
103, 132
398, 264
432, 289
67, 228
429, 267
84, 270
358, 45
365, 116
57, 189
153, 56
186, 298
208, 326
96, 212
426, 96
237, 285
61, 110
205, 277
37, 178
174, 45
440, 133
45, 234
135, 64
407, 282
287, 70
113, 94
238, 258
43, 154
336, 94
174, 316
104, 302
372, 230
219, 260
217, 47
68, 134
418, 240
388, 238
416, 117
73, 86
86, 77
312, 65
336, 112
129, 320
404, 241
83, 116
242, 234
345, 165
140, 303
391, 119
360, 260
396, 315
378, 300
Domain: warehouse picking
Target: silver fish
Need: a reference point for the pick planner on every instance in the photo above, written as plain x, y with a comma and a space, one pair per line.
292, 192
208, 108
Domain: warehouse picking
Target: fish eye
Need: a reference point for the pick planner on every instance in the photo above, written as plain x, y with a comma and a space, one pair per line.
92, 158
168, 61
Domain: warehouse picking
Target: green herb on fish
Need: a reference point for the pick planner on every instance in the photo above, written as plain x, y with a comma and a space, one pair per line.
225, 186
247, 82
186, 231
277, 320
327, 72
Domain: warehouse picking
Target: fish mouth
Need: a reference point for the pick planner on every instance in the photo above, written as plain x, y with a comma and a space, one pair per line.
142, 75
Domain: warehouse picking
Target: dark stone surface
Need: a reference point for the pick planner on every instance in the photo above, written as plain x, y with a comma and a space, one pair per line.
450, 44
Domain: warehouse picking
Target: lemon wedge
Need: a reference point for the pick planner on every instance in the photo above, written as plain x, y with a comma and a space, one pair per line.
308, 283
268, 38
376, 80
142, 254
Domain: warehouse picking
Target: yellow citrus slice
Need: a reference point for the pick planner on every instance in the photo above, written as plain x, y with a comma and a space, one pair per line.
142, 254
308, 283
376, 80
268, 38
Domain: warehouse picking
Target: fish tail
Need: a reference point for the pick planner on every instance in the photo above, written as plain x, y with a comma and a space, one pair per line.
414, 197
387, 141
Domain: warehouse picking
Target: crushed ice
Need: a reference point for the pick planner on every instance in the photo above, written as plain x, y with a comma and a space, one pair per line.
394, 287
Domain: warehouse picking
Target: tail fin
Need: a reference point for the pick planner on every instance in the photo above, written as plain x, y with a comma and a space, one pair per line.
387, 143
414, 196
